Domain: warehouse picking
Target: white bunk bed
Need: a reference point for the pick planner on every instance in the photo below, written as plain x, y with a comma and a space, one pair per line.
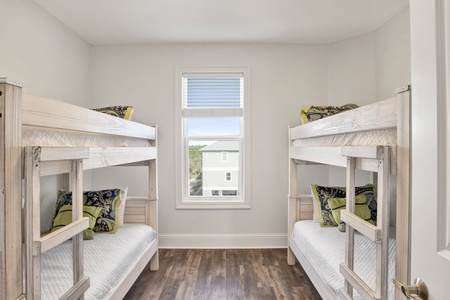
373, 138
75, 139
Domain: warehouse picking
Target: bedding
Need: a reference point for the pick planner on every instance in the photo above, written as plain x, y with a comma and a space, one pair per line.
325, 249
107, 258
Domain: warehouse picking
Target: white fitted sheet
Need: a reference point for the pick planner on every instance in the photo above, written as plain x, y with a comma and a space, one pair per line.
108, 257
325, 249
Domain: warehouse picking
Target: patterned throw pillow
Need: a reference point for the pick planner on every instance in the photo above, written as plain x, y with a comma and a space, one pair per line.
362, 209
323, 193
312, 113
108, 200
123, 112
64, 217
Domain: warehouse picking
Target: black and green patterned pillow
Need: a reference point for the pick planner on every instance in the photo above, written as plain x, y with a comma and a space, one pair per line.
313, 112
323, 193
123, 112
362, 209
64, 217
109, 200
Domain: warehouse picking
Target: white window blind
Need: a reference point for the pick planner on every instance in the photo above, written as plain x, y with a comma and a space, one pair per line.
218, 92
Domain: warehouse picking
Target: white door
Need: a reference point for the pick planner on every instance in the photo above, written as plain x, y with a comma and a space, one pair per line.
430, 57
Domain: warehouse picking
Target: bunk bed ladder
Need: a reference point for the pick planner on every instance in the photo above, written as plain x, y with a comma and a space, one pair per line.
44, 161
379, 234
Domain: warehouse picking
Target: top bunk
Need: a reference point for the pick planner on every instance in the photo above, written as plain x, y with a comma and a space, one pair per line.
324, 141
53, 125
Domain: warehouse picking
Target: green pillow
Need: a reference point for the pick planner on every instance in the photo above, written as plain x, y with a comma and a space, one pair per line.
109, 200
361, 208
323, 193
64, 217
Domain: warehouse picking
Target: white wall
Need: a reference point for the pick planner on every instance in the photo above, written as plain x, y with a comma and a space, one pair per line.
52, 61
38, 51
48, 59
283, 79
366, 69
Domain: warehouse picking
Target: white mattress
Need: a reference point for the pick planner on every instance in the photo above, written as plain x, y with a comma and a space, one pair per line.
325, 248
107, 258
33, 136
366, 138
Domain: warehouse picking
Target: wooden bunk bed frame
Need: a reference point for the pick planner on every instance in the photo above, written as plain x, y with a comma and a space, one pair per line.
22, 166
394, 114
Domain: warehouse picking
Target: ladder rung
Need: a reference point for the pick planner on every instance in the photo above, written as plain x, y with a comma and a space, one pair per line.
358, 284
61, 235
362, 151
343, 295
76, 291
361, 225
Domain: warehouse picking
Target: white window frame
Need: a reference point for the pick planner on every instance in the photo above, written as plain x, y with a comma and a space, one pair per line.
183, 200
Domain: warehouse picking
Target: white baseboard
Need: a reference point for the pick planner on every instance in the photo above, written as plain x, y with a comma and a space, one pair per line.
222, 241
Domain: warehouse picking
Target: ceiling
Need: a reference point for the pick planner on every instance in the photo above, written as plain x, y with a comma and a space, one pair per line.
120, 22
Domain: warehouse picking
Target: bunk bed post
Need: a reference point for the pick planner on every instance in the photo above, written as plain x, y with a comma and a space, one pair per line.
153, 205
32, 222
292, 202
11, 280
403, 217
76, 186
383, 200
349, 230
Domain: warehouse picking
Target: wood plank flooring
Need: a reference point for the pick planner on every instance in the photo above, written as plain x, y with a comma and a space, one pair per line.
213, 274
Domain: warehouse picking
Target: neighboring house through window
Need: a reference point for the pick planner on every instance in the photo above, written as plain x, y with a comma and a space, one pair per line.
212, 152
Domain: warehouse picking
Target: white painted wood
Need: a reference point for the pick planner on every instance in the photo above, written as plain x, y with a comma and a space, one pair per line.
376, 116
77, 291
430, 56
42, 112
63, 153
349, 230
364, 227
112, 156
11, 279
358, 284
58, 237
361, 151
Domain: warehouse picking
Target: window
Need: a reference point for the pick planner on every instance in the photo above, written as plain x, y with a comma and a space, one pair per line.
212, 117
228, 176
224, 156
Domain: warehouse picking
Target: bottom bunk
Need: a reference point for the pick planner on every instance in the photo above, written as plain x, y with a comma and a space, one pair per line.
109, 261
320, 250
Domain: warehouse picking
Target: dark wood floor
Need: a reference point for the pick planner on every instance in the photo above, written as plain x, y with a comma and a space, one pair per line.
223, 274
